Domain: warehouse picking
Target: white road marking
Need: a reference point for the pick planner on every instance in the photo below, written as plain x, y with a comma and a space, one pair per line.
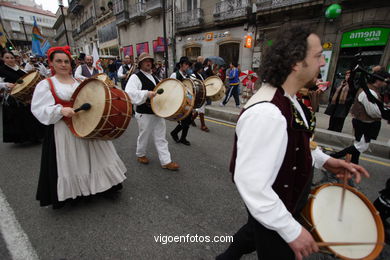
17, 241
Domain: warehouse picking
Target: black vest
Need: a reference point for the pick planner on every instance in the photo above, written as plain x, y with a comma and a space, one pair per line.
86, 73
10, 75
295, 175
147, 84
179, 76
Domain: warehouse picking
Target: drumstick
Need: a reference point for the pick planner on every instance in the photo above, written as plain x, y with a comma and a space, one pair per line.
345, 179
321, 244
160, 91
85, 106
209, 84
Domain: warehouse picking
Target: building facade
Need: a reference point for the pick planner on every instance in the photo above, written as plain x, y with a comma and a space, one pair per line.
18, 21
62, 36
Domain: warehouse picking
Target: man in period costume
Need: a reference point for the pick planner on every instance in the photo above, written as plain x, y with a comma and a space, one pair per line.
140, 89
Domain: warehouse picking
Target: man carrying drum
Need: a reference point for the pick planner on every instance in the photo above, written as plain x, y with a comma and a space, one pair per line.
140, 89
125, 70
184, 124
272, 157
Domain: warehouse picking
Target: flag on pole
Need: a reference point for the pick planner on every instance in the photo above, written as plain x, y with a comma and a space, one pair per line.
3, 38
96, 59
39, 44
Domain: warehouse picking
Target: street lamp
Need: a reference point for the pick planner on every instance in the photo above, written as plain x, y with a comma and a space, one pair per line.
21, 18
61, 5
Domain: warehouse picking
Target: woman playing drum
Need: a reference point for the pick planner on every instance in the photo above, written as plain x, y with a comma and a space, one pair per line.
19, 125
70, 166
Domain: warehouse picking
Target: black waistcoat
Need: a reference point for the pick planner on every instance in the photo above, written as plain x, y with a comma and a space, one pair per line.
294, 178
147, 84
10, 75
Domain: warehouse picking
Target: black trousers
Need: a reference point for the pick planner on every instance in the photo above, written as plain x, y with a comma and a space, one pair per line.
183, 126
255, 237
336, 123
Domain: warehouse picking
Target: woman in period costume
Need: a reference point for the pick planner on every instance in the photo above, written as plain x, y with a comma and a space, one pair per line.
70, 166
19, 124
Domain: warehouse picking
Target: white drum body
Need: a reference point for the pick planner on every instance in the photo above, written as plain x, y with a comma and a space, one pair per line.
215, 89
175, 103
360, 221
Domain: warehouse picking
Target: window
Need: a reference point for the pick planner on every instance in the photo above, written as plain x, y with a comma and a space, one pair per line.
192, 53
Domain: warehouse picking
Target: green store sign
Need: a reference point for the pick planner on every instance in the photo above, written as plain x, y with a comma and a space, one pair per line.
375, 36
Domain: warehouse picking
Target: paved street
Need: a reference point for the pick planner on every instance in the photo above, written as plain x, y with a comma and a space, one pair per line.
200, 199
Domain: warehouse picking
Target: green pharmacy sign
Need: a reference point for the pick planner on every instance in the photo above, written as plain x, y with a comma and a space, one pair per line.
375, 36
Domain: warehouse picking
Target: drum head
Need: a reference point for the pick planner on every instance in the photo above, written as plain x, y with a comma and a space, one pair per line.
27, 80
358, 223
213, 85
92, 91
169, 102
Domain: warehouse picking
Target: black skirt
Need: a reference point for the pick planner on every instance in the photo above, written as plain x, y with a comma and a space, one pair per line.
19, 124
48, 176
47, 184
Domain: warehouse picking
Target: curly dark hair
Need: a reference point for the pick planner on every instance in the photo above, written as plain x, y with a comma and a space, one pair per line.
289, 48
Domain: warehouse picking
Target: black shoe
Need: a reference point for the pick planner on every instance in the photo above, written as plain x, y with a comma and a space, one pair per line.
175, 137
186, 142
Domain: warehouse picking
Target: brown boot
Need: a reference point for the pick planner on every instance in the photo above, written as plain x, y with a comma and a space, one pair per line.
172, 166
203, 126
143, 160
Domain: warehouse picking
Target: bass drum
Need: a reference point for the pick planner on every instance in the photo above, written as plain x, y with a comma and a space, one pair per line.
25, 90
175, 103
360, 222
199, 91
215, 89
109, 115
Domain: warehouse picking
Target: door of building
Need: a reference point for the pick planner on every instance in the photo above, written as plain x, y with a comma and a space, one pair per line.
230, 52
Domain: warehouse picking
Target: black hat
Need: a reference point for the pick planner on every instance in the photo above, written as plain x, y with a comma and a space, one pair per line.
198, 66
82, 56
382, 73
184, 60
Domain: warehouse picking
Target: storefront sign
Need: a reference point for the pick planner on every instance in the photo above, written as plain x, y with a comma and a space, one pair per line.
142, 47
128, 50
248, 41
157, 47
375, 36
209, 36
324, 70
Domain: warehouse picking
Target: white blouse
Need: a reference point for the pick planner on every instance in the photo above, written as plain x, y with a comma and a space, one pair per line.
43, 104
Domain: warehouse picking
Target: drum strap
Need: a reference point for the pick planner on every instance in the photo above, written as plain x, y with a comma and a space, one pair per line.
58, 100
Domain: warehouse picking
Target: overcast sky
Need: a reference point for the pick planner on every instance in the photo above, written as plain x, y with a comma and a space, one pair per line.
51, 5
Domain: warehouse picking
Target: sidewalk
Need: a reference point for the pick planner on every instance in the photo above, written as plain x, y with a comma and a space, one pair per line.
379, 147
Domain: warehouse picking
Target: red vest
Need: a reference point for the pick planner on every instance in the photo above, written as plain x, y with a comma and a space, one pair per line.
58, 100
295, 175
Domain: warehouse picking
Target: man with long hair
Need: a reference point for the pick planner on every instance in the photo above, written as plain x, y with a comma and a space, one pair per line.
272, 157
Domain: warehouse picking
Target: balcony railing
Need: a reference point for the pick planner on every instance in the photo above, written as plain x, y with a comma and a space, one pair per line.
153, 7
120, 6
75, 6
231, 9
137, 11
189, 19
273, 4
86, 25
